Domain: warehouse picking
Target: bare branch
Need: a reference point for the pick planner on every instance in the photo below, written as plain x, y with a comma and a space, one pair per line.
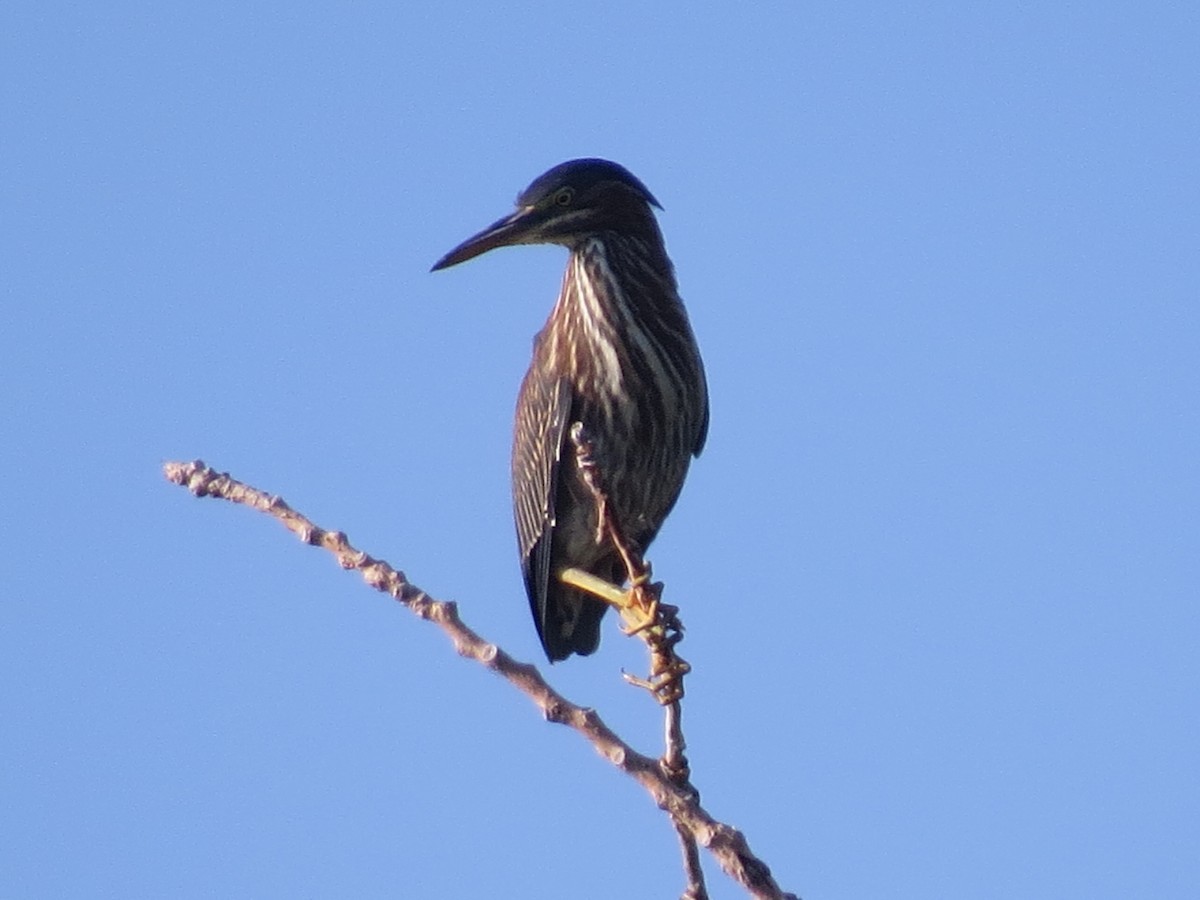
727, 844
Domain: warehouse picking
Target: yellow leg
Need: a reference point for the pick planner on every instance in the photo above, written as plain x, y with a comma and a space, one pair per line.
638, 612
597, 587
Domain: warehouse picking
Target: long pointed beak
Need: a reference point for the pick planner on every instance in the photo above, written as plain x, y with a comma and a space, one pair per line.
512, 229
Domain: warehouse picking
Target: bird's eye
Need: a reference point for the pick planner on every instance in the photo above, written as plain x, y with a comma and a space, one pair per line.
564, 197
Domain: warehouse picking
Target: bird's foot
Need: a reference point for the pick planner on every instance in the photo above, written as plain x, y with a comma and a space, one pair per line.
666, 677
643, 614
640, 611
658, 625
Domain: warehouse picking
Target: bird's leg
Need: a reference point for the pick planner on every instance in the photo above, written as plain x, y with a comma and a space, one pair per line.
640, 607
590, 472
637, 608
597, 587
637, 569
638, 615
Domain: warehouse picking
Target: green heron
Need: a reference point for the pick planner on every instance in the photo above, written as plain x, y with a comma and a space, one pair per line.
616, 365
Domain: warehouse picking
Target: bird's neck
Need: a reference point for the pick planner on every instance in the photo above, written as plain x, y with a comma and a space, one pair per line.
613, 290
619, 274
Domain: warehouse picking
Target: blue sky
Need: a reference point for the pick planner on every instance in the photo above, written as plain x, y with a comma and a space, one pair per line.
938, 562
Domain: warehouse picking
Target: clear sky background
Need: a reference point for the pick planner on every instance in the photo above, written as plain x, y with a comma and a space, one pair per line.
938, 563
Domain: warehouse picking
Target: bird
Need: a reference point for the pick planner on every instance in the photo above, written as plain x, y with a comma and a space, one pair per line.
616, 364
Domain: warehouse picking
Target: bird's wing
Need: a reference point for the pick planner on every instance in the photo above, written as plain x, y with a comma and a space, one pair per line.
702, 434
544, 409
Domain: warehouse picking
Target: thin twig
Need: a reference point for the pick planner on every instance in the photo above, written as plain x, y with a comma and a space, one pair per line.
696, 889
675, 767
674, 762
727, 845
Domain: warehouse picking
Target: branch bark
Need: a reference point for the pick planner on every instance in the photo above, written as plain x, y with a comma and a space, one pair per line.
727, 845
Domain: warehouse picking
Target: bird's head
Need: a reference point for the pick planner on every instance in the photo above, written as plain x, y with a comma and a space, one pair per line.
571, 202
